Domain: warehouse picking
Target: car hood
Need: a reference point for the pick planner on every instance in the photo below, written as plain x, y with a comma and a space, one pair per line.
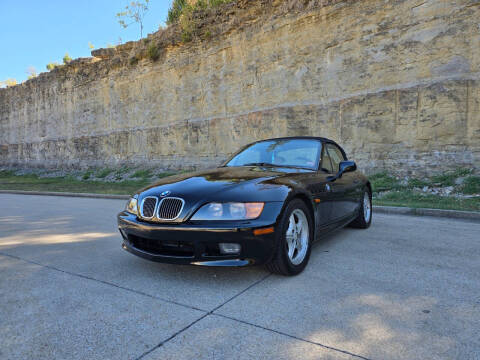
225, 184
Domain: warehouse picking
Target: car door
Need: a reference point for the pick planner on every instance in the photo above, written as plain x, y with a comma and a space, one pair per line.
315, 182
321, 190
344, 188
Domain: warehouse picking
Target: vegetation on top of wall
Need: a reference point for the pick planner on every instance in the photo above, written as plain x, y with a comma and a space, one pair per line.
182, 13
32, 72
135, 12
52, 65
187, 20
181, 8
67, 58
8, 82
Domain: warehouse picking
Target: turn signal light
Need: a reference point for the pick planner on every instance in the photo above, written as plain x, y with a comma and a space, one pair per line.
263, 231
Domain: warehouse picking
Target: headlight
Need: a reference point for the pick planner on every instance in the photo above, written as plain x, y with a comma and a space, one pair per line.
132, 205
229, 211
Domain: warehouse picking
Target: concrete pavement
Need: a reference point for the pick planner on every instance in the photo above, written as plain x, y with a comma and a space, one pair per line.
407, 288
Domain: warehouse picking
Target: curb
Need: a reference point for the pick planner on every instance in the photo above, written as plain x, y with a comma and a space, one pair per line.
66, 194
452, 214
455, 214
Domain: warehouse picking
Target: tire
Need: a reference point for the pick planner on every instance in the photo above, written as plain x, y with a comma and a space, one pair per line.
292, 233
364, 218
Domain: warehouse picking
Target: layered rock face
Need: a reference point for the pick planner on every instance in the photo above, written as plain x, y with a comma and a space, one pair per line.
396, 82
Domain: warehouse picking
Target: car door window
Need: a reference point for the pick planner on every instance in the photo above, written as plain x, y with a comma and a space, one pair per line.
336, 156
326, 163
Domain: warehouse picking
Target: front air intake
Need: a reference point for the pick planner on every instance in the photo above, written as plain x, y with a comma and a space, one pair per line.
170, 208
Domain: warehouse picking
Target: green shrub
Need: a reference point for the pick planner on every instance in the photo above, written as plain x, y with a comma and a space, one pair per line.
133, 60
67, 58
6, 173
382, 181
186, 36
144, 174
52, 65
471, 185
182, 11
87, 175
153, 52
104, 173
413, 183
448, 178
176, 11
165, 174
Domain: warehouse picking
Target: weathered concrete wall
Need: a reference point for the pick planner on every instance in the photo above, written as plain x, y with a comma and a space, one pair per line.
396, 82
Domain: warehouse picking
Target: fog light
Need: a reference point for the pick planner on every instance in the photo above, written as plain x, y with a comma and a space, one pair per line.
229, 248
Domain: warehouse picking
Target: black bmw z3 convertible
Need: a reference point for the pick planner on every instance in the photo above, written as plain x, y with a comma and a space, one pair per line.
266, 205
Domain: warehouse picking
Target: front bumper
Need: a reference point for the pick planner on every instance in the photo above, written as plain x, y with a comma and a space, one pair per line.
197, 244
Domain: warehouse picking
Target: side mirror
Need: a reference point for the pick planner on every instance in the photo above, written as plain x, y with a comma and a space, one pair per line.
343, 167
347, 166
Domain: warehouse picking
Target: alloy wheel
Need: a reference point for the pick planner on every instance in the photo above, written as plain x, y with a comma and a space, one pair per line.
297, 237
367, 207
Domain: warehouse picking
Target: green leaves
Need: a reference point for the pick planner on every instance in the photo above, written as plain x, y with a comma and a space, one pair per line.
136, 12
66, 58
52, 65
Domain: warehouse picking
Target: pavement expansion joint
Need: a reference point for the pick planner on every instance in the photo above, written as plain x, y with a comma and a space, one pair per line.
104, 282
206, 313
294, 337
211, 312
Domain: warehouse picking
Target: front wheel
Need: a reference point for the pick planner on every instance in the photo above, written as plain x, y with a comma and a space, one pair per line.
364, 218
294, 238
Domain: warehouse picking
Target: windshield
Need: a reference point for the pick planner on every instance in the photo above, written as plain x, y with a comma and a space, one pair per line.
302, 153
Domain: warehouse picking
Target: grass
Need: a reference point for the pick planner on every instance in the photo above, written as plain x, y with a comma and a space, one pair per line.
165, 174
448, 179
384, 182
87, 175
142, 178
388, 190
9, 181
143, 174
413, 199
104, 173
471, 185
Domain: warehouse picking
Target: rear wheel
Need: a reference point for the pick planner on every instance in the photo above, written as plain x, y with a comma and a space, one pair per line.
364, 218
294, 238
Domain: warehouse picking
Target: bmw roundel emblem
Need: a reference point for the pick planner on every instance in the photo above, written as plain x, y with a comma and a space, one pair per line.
165, 193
